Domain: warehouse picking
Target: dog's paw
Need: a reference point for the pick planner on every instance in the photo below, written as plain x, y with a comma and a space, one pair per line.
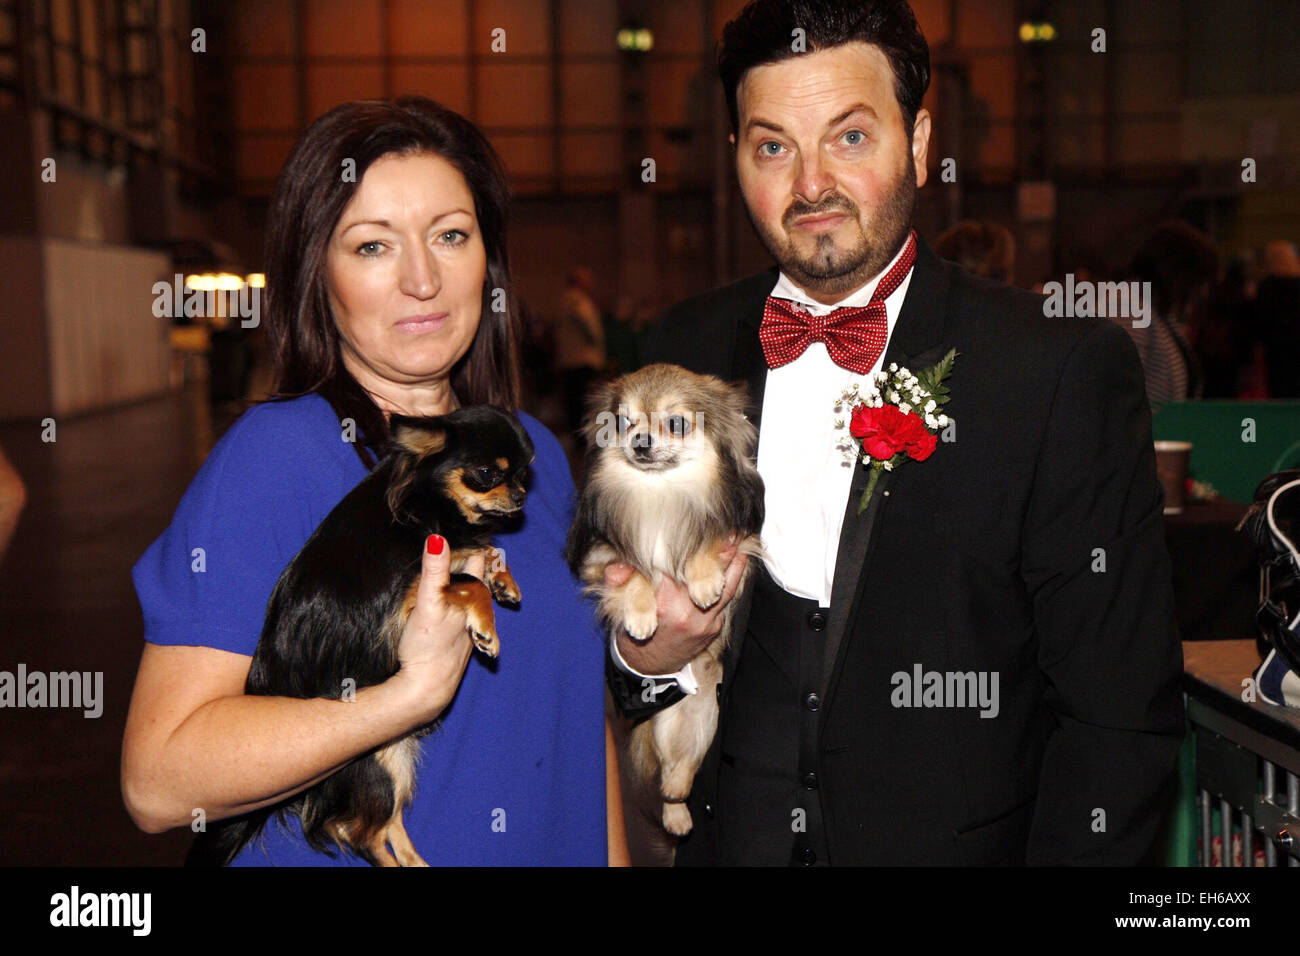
705, 591
677, 819
473, 598
705, 579
481, 627
641, 623
504, 590
485, 642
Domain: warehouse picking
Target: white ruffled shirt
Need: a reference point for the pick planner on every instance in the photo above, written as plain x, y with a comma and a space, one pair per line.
805, 476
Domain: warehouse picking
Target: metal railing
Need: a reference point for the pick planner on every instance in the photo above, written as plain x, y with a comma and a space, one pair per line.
1247, 762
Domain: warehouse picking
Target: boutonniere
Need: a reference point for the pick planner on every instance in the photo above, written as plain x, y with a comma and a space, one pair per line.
896, 417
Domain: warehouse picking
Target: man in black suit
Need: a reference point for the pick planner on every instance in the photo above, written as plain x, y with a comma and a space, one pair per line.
982, 667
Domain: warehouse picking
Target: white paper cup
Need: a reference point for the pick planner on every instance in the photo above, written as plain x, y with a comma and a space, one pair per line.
1172, 460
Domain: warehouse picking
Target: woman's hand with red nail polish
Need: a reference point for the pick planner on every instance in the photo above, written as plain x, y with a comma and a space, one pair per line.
434, 648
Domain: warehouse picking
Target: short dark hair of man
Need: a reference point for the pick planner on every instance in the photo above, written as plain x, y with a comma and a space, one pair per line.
764, 32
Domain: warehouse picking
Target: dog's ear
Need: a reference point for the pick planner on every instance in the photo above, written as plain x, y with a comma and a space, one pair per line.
600, 401
419, 436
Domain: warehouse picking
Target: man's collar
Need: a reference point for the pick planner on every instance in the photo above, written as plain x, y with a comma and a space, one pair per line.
918, 336
786, 289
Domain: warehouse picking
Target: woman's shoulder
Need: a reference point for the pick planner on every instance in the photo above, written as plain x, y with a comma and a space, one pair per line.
288, 419
278, 469
300, 433
263, 489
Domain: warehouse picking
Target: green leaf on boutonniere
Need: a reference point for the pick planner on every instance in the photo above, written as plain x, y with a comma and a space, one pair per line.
931, 379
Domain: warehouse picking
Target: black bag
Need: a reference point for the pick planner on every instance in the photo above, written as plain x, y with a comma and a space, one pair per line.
1273, 523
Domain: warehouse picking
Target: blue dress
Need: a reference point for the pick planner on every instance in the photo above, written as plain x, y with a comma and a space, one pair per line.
515, 772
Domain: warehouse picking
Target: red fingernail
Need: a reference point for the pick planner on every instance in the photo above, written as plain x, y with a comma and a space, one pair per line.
435, 543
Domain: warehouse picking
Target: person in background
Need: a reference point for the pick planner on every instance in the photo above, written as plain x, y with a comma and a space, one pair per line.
537, 357
13, 498
1228, 336
984, 249
1182, 266
579, 342
1278, 308
623, 328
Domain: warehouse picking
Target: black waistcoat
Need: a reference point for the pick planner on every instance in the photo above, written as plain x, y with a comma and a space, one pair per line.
769, 811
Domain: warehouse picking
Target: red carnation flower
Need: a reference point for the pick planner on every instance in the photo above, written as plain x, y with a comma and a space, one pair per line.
886, 430
924, 447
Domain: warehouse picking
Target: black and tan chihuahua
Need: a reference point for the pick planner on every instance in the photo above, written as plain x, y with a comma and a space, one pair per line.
337, 613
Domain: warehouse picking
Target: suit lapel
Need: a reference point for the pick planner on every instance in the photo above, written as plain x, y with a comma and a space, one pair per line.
748, 365
916, 342
747, 362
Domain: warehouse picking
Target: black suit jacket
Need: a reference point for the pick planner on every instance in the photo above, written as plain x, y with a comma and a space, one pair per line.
1031, 547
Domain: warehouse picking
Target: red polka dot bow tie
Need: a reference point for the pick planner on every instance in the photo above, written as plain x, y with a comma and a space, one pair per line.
854, 335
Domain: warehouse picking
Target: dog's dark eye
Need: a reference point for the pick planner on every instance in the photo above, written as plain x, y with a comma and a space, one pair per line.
482, 478
677, 425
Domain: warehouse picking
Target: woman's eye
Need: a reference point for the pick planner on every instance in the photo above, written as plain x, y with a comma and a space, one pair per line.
454, 233
370, 248
855, 137
763, 149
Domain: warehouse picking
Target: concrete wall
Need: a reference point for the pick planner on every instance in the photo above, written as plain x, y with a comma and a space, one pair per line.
105, 344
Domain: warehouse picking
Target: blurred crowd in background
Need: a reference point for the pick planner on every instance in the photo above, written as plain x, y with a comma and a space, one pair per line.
1220, 327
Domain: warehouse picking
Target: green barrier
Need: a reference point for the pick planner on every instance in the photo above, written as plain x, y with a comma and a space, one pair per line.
1183, 826
1234, 444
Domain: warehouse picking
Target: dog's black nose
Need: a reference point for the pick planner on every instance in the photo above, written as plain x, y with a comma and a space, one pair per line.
641, 441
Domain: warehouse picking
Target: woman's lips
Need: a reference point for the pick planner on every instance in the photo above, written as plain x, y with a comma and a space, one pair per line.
417, 324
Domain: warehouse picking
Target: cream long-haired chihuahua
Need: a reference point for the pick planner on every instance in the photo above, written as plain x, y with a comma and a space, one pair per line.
672, 478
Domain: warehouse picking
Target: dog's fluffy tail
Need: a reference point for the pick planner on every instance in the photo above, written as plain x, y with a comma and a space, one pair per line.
222, 841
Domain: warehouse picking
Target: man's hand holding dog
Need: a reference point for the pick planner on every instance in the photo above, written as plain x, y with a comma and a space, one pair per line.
684, 630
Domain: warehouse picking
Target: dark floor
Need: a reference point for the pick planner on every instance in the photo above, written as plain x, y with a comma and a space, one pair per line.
97, 497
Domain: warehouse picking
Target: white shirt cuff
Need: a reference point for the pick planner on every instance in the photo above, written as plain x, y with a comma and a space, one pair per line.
685, 677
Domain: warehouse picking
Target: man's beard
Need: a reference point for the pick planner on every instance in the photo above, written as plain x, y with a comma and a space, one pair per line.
832, 270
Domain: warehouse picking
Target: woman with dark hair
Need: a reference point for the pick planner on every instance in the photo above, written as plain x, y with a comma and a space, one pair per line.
388, 291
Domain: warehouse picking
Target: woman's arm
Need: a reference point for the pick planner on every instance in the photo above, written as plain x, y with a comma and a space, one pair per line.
194, 740
618, 852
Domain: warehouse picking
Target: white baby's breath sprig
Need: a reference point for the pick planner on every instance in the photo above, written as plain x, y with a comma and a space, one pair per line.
921, 394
